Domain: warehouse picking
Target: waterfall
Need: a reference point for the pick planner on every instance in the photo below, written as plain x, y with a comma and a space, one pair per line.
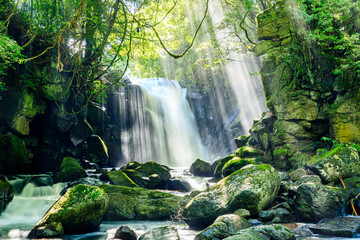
158, 125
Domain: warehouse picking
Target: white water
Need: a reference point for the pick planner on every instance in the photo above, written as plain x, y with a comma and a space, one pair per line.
163, 126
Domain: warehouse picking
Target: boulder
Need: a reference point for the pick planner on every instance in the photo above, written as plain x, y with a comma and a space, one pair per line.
342, 161
6, 193
131, 165
242, 213
264, 232
125, 233
201, 168
57, 84
179, 185
235, 164
297, 174
70, 170
13, 155
278, 215
119, 178
80, 132
337, 227
97, 151
161, 233
73, 213
315, 201
127, 203
248, 152
150, 168
253, 188
219, 167
224, 226
242, 141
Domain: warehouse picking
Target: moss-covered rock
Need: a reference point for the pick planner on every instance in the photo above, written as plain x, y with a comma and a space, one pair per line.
342, 161
160, 233
248, 152
220, 165
242, 141
119, 178
237, 163
13, 155
252, 188
150, 168
265, 232
21, 107
131, 165
127, 203
80, 132
57, 84
248, 234
201, 168
70, 170
97, 151
6, 193
73, 213
315, 201
224, 226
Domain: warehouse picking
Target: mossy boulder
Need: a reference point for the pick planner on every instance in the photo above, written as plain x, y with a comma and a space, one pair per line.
264, 232
73, 213
57, 84
127, 203
224, 226
119, 178
235, 164
253, 188
219, 167
341, 162
21, 107
242, 141
13, 155
248, 234
201, 168
125, 233
131, 165
6, 193
70, 170
150, 168
315, 201
160, 233
248, 152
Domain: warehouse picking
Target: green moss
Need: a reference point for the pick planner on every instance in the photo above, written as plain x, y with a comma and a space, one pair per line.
69, 170
120, 178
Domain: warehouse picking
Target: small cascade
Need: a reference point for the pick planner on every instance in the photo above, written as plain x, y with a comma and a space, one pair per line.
158, 124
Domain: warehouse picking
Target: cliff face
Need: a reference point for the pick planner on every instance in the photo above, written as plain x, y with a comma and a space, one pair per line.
307, 101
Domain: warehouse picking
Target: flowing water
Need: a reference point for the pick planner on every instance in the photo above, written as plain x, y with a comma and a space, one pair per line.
158, 124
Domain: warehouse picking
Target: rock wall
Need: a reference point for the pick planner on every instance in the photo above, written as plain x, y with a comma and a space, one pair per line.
305, 98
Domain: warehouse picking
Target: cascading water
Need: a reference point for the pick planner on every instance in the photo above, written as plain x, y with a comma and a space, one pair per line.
158, 124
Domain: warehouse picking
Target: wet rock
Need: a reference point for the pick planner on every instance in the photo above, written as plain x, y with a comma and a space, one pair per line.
224, 226
248, 152
314, 201
252, 188
179, 185
6, 193
73, 213
248, 234
276, 232
96, 150
154, 180
219, 167
215, 164
118, 178
70, 170
237, 163
127, 203
297, 174
342, 161
80, 132
13, 154
338, 227
201, 168
150, 168
161, 233
255, 222
125, 233
131, 165
308, 179
242, 213
278, 215
242, 141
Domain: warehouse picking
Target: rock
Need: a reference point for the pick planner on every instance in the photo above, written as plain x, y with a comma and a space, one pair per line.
150, 168
13, 155
70, 170
21, 108
299, 108
6, 193
97, 151
235, 164
279, 213
131, 165
127, 203
80, 132
119, 178
314, 202
179, 185
248, 152
260, 131
242, 141
297, 174
201, 168
215, 164
73, 213
276, 232
252, 188
247, 234
342, 161
142, 180
242, 213
56, 87
255, 222
224, 226
125, 233
219, 167
161, 233
338, 227
154, 181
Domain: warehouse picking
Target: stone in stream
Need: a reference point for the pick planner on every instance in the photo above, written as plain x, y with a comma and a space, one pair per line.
224, 226
118, 178
253, 188
179, 185
73, 213
161, 233
278, 215
201, 168
125, 233
338, 227
264, 232
70, 170
126, 203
